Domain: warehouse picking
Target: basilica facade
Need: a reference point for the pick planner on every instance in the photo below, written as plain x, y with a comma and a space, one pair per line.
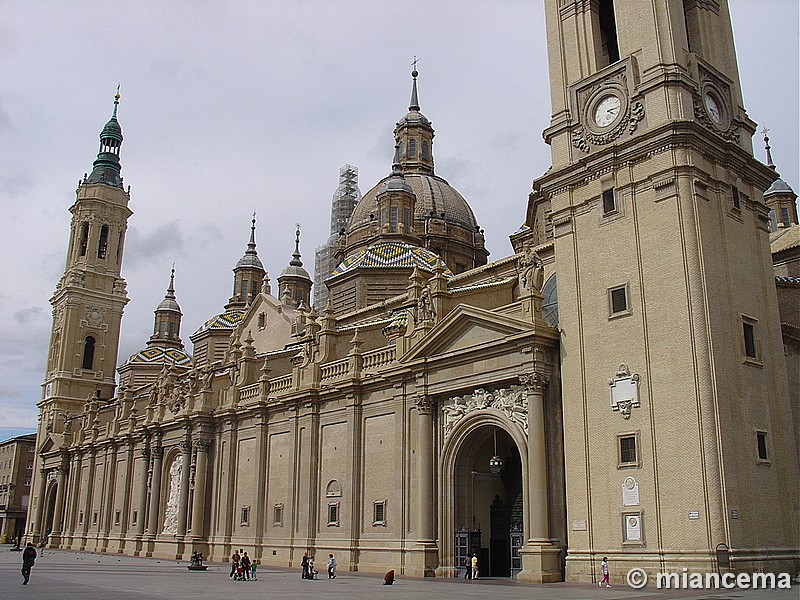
616, 387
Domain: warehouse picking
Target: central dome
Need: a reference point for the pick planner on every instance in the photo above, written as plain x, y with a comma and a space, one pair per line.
436, 199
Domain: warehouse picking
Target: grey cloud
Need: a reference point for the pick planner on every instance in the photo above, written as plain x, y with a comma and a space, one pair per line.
28, 315
142, 248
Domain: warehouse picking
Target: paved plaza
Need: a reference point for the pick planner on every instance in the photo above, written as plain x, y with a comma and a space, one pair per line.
61, 575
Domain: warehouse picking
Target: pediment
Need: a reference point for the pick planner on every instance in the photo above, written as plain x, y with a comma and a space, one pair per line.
52, 442
464, 328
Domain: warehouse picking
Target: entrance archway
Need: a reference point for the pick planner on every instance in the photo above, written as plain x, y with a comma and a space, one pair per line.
484, 511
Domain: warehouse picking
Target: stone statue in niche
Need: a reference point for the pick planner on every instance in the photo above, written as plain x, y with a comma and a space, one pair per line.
174, 496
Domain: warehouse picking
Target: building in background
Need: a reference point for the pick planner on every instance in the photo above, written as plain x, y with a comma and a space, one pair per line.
16, 474
616, 387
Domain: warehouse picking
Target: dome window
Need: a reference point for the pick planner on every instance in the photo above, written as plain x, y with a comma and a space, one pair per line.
425, 150
412, 147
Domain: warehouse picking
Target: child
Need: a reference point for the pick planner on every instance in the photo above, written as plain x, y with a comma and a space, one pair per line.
312, 573
253, 571
331, 567
604, 572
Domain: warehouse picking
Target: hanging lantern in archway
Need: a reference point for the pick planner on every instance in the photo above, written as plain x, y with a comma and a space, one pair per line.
495, 463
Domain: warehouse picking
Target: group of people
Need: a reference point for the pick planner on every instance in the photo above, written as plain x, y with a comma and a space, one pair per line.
242, 567
309, 572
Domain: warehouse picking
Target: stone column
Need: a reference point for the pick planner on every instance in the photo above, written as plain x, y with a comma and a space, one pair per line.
425, 562
107, 506
540, 562
538, 528
41, 498
199, 502
183, 506
58, 513
141, 504
155, 491
424, 463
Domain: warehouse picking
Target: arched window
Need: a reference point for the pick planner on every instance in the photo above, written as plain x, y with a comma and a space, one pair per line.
412, 147
84, 238
88, 352
102, 243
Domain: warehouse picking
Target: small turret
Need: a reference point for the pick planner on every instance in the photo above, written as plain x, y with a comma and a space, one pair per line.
167, 327
414, 134
249, 274
294, 283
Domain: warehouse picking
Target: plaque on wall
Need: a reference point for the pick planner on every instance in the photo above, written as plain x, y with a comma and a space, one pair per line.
633, 528
630, 492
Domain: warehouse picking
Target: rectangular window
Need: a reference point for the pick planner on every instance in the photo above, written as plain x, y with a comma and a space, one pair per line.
761, 443
134, 517
737, 203
277, 515
749, 332
628, 450
393, 219
609, 202
245, 520
30, 464
116, 518
785, 217
333, 514
80, 518
618, 300
94, 518
379, 513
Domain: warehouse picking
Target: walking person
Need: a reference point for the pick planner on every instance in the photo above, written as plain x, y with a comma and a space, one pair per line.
246, 564
331, 567
604, 572
304, 564
474, 563
28, 559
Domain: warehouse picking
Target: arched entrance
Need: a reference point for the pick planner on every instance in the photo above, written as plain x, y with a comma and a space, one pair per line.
484, 511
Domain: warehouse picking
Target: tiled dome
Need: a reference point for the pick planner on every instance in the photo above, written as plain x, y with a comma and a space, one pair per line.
391, 255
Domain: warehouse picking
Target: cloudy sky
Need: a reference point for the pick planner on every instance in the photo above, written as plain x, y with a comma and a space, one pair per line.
233, 107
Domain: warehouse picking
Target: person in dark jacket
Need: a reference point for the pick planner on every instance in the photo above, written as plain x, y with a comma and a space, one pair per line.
28, 559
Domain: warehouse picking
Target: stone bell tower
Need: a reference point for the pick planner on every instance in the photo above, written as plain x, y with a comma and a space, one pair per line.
91, 295
677, 449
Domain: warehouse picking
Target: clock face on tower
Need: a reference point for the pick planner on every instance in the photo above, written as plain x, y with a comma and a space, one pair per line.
607, 110
712, 107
